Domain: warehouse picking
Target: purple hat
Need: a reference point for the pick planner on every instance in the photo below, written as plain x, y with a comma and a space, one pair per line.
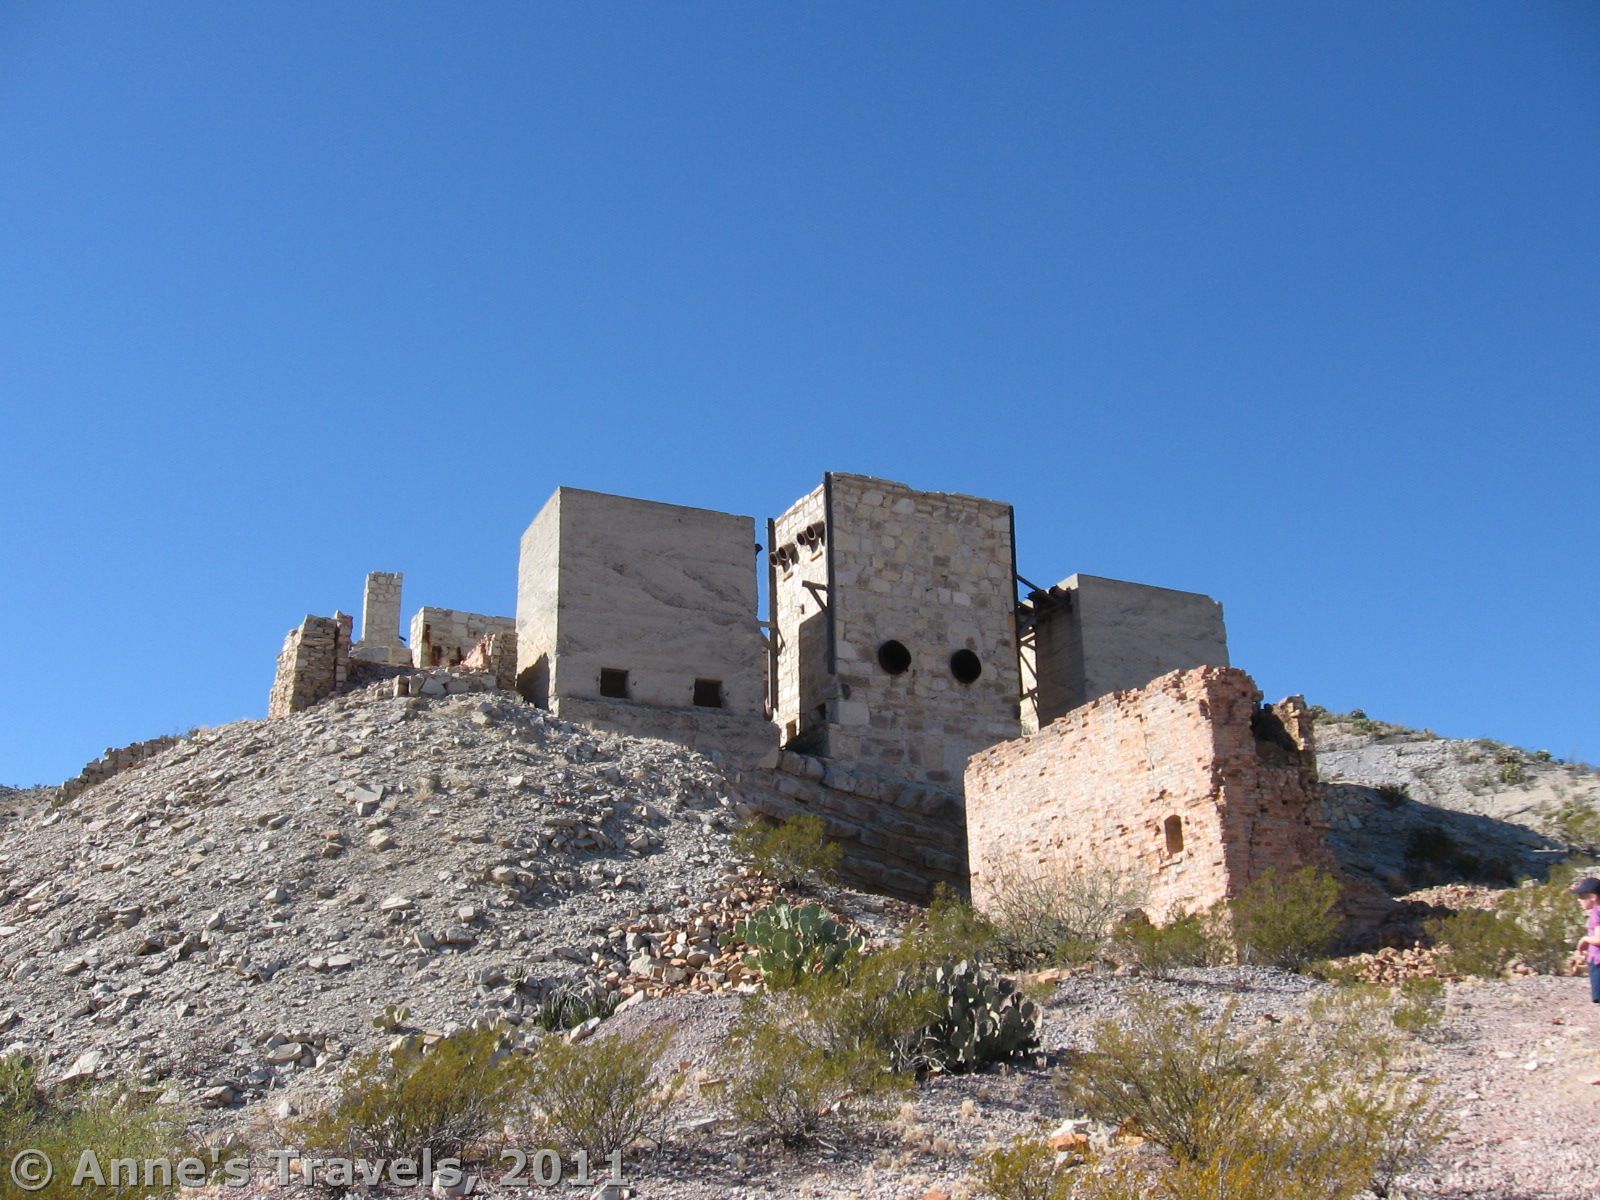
1586, 887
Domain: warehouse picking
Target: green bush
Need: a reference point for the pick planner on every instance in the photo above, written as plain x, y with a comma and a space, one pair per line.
1285, 920
64, 1127
410, 1098
789, 944
1536, 924
1578, 824
1158, 950
796, 852
598, 1095
1320, 1111
981, 1018
789, 1082
1024, 1170
570, 1005
1039, 916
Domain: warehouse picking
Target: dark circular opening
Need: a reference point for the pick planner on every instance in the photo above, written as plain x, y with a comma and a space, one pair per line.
893, 657
964, 665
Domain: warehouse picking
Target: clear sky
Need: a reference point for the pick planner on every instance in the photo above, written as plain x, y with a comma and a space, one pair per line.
1296, 305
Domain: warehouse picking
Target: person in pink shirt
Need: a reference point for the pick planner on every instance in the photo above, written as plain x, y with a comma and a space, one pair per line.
1588, 893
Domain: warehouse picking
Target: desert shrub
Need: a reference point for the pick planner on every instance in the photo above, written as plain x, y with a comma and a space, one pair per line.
1513, 773
598, 1095
1578, 824
1242, 1115
410, 1098
570, 1005
1393, 794
1285, 920
1157, 950
797, 851
786, 1080
1041, 916
1023, 1170
789, 944
67, 1126
1421, 1005
1536, 924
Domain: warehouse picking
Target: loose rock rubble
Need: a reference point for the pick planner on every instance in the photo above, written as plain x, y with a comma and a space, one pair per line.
238, 909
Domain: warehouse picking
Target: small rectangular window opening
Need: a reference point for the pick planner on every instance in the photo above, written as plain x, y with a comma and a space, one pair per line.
613, 683
1174, 831
708, 693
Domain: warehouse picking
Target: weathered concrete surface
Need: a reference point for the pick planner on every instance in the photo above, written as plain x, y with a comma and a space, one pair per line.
1189, 785
931, 571
663, 593
1094, 636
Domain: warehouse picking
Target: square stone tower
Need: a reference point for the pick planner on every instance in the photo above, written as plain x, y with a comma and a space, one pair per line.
380, 620
1088, 637
641, 617
895, 616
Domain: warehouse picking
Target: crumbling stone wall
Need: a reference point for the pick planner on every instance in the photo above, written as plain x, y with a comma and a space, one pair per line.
918, 601
443, 637
313, 665
113, 762
496, 655
1189, 784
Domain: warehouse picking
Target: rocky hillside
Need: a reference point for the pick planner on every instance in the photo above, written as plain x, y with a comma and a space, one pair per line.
241, 907
1410, 808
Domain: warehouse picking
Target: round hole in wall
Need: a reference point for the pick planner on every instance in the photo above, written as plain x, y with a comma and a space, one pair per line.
964, 665
893, 657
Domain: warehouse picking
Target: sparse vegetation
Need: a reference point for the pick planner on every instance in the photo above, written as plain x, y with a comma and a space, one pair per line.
797, 852
598, 1095
64, 1126
1241, 1115
568, 1006
1535, 925
1285, 920
1157, 950
409, 1098
789, 1080
1025, 1169
1039, 916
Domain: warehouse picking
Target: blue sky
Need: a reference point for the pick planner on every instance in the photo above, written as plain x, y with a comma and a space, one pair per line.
1297, 305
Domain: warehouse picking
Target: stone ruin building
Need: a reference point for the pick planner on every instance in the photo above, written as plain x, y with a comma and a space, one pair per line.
905, 684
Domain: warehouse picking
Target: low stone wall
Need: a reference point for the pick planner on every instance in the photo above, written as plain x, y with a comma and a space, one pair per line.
114, 762
443, 637
313, 665
898, 837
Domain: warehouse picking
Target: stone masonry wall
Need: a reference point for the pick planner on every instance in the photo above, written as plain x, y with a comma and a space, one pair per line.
1188, 783
496, 655
1094, 636
313, 664
800, 568
896, 836
113, 762
442, 637
934, 572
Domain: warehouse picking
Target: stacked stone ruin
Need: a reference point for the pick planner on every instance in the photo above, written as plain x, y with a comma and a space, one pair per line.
896, 651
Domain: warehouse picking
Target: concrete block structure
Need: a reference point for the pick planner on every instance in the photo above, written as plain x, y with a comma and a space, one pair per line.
380, 620
442, 637
894, 612
1088, 637
641, 617
1190, 785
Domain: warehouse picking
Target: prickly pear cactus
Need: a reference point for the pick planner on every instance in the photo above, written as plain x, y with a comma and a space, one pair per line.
788, 942
985, 1019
